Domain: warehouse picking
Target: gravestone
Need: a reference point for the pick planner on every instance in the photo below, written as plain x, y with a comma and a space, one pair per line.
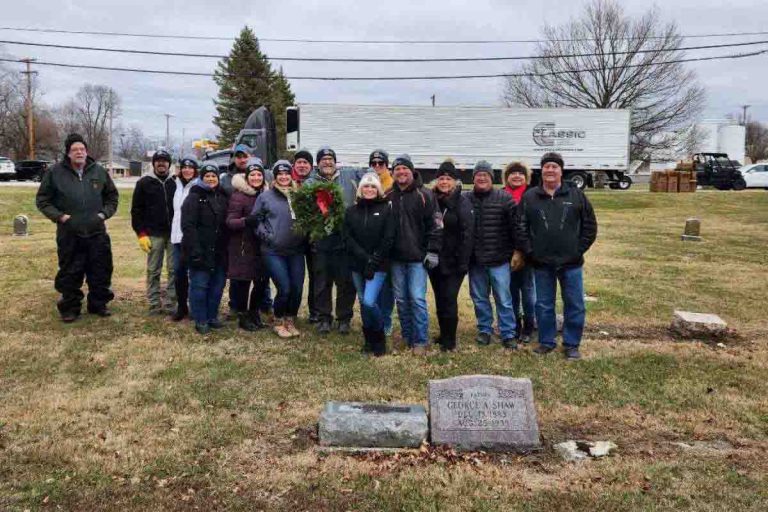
692, 232
373, 425
687, 324
21, 225
483, 412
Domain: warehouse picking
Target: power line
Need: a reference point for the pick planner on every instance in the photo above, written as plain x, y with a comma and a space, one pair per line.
401, 78
356, 41
419, 60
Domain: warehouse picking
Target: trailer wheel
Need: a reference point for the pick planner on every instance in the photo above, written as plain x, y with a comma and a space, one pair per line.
579, 180
625, 182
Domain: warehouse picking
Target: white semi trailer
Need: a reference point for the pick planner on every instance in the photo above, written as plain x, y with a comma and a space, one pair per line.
589, 140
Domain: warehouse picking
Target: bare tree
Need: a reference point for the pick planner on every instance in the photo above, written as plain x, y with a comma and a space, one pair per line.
89, 113
757, 141
133, 144
604, 59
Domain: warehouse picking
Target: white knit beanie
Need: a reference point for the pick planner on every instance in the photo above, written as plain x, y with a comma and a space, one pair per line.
370, 178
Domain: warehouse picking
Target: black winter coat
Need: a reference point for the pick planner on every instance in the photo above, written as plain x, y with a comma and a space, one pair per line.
494, 227
369, 232
555, 231
62, 191
152, 206
418, 230
458, 232
203, 224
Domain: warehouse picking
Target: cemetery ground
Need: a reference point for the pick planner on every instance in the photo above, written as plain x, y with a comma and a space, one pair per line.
137, 413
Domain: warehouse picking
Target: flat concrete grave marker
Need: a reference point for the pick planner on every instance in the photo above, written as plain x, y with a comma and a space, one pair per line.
483, 412
373, 425
698, 325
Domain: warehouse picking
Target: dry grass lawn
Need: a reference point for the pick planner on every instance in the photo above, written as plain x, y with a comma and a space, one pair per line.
137, 413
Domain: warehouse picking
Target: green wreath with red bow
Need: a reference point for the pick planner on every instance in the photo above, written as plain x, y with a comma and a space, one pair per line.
319, 210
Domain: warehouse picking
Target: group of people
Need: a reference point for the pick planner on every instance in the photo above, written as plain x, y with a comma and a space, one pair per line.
516, 244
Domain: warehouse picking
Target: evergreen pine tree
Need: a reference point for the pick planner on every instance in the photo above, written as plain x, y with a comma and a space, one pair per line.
246, 81
282, 97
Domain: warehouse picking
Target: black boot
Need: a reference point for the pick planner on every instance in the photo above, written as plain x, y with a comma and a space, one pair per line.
256, 319
448, 332
378, 343
181, 313
245, 323
367, 341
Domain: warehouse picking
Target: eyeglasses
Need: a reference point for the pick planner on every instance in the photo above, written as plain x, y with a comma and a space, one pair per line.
378, 163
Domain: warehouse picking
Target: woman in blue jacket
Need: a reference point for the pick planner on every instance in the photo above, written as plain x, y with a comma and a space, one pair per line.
281, 247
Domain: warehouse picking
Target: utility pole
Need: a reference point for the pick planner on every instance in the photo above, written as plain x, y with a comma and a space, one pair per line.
433, 100
183, 137
744, 117
109, 141
30, 115
168, 130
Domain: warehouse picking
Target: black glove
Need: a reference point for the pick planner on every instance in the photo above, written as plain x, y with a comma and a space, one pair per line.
252, 221
370, 269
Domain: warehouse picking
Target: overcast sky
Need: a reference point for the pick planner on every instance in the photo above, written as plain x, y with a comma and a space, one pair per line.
147, 97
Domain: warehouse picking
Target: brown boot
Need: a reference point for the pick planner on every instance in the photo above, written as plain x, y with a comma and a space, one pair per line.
280, 329
419, 350
290, 325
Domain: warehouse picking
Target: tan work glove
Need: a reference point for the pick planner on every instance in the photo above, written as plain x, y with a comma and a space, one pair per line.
518, 261
145, 243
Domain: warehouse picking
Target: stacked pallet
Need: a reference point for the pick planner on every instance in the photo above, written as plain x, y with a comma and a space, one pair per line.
680, 179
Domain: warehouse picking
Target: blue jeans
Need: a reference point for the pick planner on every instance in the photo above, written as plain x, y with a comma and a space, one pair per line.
287, 272
524, 293
574, 312
483, 281
409, 282
368, 291
206, 288
387, 303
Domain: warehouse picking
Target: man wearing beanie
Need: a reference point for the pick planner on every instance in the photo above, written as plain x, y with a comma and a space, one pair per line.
556, 225
151, 219
415, 251
78, 195
494, 244
302, 166
301, 171
329, 264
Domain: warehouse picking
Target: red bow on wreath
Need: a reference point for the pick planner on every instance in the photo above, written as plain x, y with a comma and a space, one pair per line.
324, 198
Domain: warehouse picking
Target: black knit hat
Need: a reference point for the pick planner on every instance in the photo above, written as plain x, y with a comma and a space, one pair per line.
326, 151
206, 168
447, 169
379, 154
403, 159
71, 139
552, 157
162, 154
188, 161
304, 154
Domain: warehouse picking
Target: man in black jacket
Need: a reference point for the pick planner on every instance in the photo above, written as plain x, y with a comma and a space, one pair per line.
151, 219
78, 195
416, 250
494, 244
556, 225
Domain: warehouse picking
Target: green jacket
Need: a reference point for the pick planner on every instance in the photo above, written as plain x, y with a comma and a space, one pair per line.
62, 191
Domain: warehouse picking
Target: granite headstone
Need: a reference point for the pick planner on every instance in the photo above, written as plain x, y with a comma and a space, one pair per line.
483, 412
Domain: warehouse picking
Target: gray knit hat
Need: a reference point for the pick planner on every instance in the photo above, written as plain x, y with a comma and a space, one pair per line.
482, 166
